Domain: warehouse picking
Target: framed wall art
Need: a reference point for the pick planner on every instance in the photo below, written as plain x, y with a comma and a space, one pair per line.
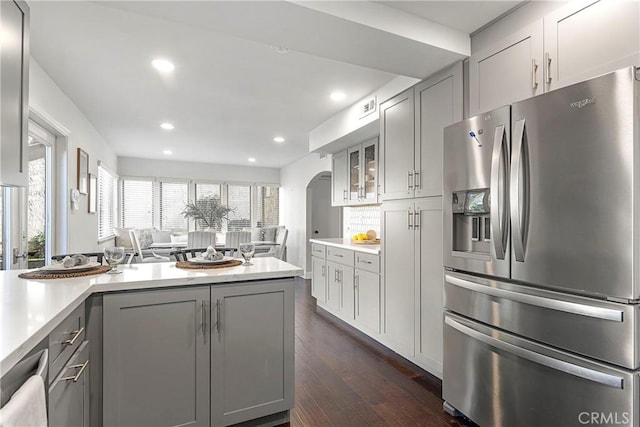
83, 171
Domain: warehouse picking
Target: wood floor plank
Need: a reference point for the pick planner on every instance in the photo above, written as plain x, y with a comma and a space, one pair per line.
344, 378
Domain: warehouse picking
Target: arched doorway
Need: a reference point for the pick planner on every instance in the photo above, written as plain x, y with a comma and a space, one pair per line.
323, 220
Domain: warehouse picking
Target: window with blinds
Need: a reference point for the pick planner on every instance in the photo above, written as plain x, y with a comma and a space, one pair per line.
136, 207
266, 206
206, 190
173, 197
107, 196
239, 199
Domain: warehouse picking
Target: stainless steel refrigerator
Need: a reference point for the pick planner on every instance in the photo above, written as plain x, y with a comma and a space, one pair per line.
542, 258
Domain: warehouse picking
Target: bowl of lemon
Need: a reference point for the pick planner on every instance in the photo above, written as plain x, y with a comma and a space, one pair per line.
368, 238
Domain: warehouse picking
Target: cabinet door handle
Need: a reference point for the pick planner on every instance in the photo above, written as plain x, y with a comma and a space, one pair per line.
323, 271
218, 316
335, 275
547, 67
77, 376
410, 180
344, 195
76, 335
203, 309
416, 179
534, 74
409, 219
416, 219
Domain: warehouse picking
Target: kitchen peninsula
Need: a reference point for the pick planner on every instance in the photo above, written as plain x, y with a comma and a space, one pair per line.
200, 347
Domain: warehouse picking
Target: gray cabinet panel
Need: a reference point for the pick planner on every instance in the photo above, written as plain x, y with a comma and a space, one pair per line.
347, 304
156, 358
367, 304
430, 283
586, 40
438, 104
398, 267
334, 287
339, 178
69, 392
14, 92
252, 351
65, 339
507, 72
397, 146
319, 279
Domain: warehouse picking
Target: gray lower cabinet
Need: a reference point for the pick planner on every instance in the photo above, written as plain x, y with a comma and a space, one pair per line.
69, 392
367, 301
252, 345
156, 358
334, 288
319, 279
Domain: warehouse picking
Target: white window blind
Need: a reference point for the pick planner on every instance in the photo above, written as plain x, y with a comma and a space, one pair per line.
206, 190
239, 198
266, 206
107, 196
136, 203
173, 196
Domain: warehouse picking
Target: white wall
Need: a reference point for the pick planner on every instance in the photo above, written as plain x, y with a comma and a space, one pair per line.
48, 100
129, 166
294, 179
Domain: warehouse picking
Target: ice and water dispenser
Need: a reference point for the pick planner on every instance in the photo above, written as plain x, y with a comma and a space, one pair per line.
471, 221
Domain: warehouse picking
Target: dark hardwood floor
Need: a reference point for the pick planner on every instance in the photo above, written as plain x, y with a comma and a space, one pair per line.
344, 378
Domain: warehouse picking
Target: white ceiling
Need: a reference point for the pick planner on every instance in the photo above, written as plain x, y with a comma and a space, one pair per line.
231, 92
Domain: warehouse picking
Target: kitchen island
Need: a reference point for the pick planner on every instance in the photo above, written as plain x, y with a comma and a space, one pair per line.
185, 346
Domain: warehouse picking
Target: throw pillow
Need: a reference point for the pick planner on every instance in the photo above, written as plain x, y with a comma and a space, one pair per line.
161, 236
270, 234
145, 237
122, 238
257, 234
180, 238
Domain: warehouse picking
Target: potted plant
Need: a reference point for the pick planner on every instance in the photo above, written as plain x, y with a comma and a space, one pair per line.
208, 212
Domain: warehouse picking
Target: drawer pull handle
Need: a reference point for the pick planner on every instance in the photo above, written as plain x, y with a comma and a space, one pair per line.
362, 261
73, 340
79, 374
338, 255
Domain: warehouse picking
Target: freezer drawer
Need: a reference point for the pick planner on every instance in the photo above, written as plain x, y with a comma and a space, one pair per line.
598, 329
498, 379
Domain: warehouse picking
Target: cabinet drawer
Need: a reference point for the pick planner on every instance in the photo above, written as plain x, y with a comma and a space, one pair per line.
69, 393
65, 339
318, 250
341, 256
368, 262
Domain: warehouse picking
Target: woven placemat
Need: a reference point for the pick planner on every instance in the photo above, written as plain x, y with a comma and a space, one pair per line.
191, 266
47, 275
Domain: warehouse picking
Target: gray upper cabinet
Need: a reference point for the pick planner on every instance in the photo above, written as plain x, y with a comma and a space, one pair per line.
583, 40
14, 92
339, 179
252, 351
397, 146
411, 135
157, 358
507, 72
438, 104
363, 173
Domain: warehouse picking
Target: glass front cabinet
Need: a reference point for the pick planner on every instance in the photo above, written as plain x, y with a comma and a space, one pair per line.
363, 173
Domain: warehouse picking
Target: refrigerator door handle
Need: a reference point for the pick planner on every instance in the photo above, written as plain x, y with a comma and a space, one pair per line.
499, 192
516, 208
540, 359
538, 301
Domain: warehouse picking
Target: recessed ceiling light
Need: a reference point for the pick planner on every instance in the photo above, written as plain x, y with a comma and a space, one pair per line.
167, 152
278, 139
251, 159
163, 65
167, 126
338, 96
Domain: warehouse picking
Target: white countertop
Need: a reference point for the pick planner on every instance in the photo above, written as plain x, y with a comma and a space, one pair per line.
345, 243
30, 309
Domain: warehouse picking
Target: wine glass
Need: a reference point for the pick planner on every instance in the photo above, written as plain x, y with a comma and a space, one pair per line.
247, 250
114, 256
